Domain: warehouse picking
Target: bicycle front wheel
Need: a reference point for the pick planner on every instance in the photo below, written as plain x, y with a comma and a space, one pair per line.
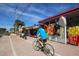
49, 50
35, 45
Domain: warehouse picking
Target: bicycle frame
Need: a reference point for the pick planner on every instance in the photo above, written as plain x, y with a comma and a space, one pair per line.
40, 42
44, 49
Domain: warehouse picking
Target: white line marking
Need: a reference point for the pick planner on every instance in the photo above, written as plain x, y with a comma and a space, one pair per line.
12, 47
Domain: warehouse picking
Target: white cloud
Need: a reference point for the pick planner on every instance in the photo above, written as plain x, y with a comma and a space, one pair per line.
8, 9
39, 11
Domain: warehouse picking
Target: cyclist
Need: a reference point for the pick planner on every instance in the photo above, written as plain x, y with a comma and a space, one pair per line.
42, 35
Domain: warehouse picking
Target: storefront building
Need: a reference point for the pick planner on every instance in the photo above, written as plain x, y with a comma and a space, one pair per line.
69, 26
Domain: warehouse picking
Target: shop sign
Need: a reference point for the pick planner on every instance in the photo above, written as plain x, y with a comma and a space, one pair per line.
62, 21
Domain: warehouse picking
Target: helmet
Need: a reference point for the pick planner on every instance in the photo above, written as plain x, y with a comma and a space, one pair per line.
40, 25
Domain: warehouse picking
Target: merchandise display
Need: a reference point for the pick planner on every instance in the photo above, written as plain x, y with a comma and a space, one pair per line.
73, 35
74, 31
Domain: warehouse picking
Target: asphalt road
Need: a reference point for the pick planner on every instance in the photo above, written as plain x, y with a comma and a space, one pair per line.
13, 45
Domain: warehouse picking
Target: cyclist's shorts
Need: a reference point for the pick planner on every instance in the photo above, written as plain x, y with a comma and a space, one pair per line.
44, 40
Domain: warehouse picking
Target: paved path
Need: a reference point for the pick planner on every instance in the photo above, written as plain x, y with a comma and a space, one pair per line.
13, 45
5, 48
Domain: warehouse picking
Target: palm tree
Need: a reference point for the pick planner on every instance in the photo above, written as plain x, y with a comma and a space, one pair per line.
18, 24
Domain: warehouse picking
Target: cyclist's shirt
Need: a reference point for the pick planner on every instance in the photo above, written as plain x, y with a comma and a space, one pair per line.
41, 32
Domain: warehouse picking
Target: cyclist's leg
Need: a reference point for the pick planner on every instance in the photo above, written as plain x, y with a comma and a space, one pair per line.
41, 42
38, 41
44, 41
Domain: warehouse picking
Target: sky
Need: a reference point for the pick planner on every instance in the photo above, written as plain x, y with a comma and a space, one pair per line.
30, 13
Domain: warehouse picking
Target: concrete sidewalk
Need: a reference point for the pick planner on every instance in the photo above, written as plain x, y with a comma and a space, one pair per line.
64, 50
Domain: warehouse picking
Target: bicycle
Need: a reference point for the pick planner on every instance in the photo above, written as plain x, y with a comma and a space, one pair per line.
47, 48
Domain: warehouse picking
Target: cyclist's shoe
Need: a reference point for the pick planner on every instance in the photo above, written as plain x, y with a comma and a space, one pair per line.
42, 45
42, 48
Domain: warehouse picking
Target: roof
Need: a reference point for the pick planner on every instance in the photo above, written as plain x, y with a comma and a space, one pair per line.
62, 14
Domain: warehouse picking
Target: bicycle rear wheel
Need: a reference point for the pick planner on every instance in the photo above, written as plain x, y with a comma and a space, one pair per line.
49, 50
